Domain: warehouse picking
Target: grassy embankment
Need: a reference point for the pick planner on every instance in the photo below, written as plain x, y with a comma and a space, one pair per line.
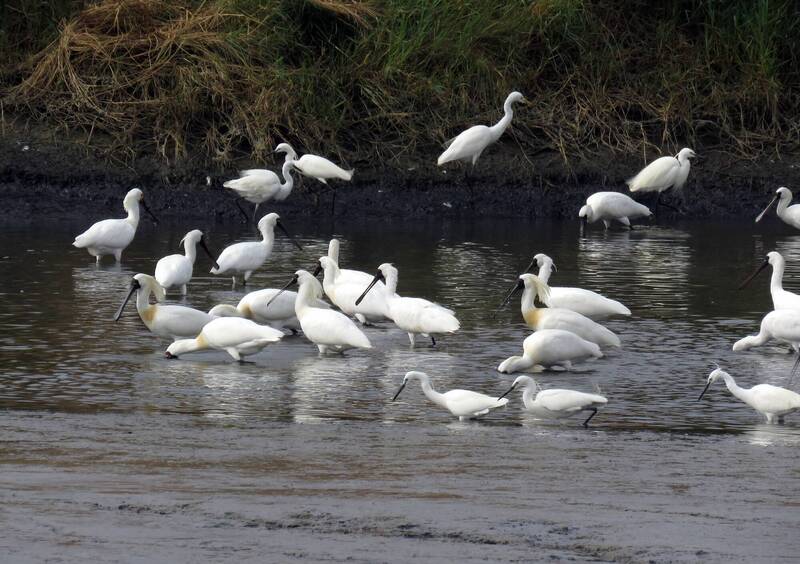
220, 79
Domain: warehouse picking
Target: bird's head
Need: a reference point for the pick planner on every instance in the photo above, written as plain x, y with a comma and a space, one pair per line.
515, 97
715, 375
686, 153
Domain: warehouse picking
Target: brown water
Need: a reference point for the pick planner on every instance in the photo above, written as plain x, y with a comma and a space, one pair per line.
112, 453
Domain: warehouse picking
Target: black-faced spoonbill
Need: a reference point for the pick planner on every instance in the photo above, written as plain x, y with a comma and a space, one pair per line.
176, 270
346, 274
234, 335
610, 206
344, 294
663, 173
773, 402
279, 314
261, 185
781, 325
464, 404
789, 214
550, 347
556, 403
112, 236
781, 299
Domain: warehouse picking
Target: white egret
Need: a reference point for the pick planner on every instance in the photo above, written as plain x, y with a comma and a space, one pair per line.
550, 347
609, 206
469, 144
663, 173
464, 404
555, 403
236, 336
344, 294
279, 314
781, 299
412, 315
317, 167
246, 257
773, 402
171, 321
330, 330
112, 236
789, 214
556, 318
176, 270
261, 185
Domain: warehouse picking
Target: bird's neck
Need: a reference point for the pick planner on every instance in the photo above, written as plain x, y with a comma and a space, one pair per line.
432, 394
305, 296
528, 300
498, 128
268, 236
333, 250
330, 274
528, 395
133, 214
190, 250
182, 346
288, 180
734, 388
390, 281
783, 203
545, 271
776, 282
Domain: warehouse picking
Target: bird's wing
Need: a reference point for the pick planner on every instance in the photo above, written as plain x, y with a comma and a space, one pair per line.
173, 269
466, 144
423, 316
591, 304
467, 402
320, 167
774, 399
568, 400
329, 327
114, 233
244, 256
226, 332
258, 183
658, 175
181, 321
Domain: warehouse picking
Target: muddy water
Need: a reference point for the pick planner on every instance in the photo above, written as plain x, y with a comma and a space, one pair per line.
110, 452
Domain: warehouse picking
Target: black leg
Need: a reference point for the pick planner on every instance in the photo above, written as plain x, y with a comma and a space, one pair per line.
594, 412
794, 370
433, 341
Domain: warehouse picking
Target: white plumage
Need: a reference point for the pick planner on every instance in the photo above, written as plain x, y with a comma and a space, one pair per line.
236, 336
344, 293
781, 325
781, 299
550, 347
464, 404
315, 166
261, 185
345, 274
279, 314
556, 403
176, 270
610, 206
773, 402
663, 173
789, 214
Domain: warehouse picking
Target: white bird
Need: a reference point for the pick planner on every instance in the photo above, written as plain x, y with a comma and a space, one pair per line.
261, 185
555, 403
279, 314
247, 257
609, 206
588, 303
112, 236
412, 315
469, 144
464, 404
550, 347
345, 274
345, 292
236, 336
781, 299
773, 402
315, 166
781, 325
330, 330
663, 173
171, 321
556, 318
789, 214
176, 270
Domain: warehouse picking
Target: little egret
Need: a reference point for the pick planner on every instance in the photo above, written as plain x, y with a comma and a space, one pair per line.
663, 173
781, 299
609, 206
773, 402
464, 404
236, 336
550, 347
555, 403
260, 185
176, 270
317, 167
789, 214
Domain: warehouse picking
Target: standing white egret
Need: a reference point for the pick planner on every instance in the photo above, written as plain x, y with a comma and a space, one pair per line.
663, 173
344, 294
279, 314
469, 144
773, 402
236, 336
176, 270
464, 404
261, 185
781, 299
317, 167
789, 214
555, 403
556, 318
112, 236
246, 257
413, 315
609, 206
172, 321
550, 347
330, 330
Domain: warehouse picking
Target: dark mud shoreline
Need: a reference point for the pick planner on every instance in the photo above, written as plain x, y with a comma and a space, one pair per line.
48, 180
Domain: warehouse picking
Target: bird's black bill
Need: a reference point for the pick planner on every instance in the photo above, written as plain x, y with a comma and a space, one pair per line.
704, 391
275, 297
508, 391
208, 252
292, 239
761, 215
398, 391
155, 219
317, 269
517, 287
528, 268
134, 287
378, 278
761, 267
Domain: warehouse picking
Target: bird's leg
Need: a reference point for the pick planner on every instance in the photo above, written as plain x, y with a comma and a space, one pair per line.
794, 370
594, 412
412, 338
118, 255
255, 212
97, 260
244, 214
433, 341
233, 283
468, 182
780, 420
183, 289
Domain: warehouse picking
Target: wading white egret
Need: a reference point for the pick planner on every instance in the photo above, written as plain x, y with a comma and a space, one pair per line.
172, 321
112, 236
464, 404
244, 258
317, 167
663, 173
781, 299
469, 144
412, 315
279, 314
261, 185
176, 270
550, 347
555, 403
556, 318
610, 206
773, 402
344, 294
236, 336
789, 214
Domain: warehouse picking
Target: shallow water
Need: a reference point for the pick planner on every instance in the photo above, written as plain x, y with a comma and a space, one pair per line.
108, 448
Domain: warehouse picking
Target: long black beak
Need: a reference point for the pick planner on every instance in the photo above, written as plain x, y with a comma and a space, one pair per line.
761, 267
517, 287
528, 268
208, 252
317, 269
144, 205
134, 286
378, 278
761, 215
292, 281
398, 391
704, 391
292, 239
508, 391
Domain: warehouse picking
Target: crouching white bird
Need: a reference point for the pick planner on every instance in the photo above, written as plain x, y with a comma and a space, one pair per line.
244, 258
176, 270
789, 214
279, 314
469, 144
236, 336
773, 402
314, 166
663, 173
171, 321
550, 347
781, 299
413, 315
555, 403
330, 330
610, 206
112, 236
260, 185
464, 404
782, 325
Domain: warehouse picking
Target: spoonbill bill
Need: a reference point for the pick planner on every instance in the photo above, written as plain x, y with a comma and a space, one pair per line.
555, 403
112, 236
663, 173
464, 404
548, 348
781, 299
261, 185
789, 214
176, 270
610, 206
248, 256
279, 314
468, 145
412, 315
773, 402
236, 336
344, 294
